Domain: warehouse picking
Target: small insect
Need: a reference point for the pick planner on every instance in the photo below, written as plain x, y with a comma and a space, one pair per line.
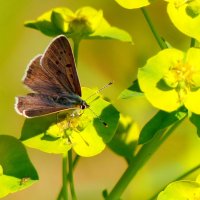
54, 81
24, 180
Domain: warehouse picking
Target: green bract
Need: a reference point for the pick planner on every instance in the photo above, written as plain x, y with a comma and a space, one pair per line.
16, 170
125, 140
172, 79
159, 123
130, 4
85, 133
180, 190
85, 23
132, 91
185, 16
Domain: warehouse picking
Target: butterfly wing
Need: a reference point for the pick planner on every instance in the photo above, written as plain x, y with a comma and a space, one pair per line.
39, 80
34, 105
58, 61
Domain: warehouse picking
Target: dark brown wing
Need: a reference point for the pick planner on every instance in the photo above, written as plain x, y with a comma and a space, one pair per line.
37, 79
58, 61
34, 105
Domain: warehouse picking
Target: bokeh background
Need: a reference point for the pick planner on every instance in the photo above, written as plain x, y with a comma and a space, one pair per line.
99, 62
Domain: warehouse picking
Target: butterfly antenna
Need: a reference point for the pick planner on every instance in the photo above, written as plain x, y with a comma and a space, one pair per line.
99, 118
105, 86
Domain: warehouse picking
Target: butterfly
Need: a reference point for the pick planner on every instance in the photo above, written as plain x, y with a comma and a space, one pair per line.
53, 79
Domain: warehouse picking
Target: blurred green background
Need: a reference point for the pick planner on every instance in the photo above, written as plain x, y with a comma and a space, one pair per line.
100, 61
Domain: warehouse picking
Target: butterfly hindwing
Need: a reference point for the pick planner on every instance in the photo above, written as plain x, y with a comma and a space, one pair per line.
34, 105
58, 61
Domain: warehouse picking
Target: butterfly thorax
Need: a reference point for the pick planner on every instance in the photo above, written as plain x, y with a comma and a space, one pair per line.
71, 100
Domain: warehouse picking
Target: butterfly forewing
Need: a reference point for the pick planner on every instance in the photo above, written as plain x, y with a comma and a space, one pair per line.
39, 80
59, 62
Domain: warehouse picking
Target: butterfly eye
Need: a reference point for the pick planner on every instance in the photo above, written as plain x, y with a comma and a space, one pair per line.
83, 107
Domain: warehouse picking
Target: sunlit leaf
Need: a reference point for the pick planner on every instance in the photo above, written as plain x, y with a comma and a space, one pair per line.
16, 170
181, 190
85, 133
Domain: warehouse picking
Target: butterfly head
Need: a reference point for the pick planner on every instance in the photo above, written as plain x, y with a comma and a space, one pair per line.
84, 105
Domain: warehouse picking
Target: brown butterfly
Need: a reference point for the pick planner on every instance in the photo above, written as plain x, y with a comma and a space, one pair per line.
54, 81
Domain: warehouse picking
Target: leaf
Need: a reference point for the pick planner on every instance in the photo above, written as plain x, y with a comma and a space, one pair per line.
131, 4
125, 140
132, 91
16, 170
106, 31
181, 190
159, 122
195, 119
85, 133
43, 24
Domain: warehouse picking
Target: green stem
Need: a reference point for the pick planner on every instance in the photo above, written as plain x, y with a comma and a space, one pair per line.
159, 40
192, 42
76, 48
71, 180
64, 173
179, 178
75, 161
139, 160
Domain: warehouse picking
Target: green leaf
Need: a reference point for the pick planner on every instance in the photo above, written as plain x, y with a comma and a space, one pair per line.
195, 119
106, 31
16, 170
132, 91
159, 122
125, 140
85, 133
131, 4
43, 24
85, 23
185, 16
181, 190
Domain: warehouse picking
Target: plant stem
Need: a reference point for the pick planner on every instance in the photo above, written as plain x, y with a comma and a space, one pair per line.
75, 161
159, 40
139, 160
71, 180
76, 48
179, 178
64, 173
